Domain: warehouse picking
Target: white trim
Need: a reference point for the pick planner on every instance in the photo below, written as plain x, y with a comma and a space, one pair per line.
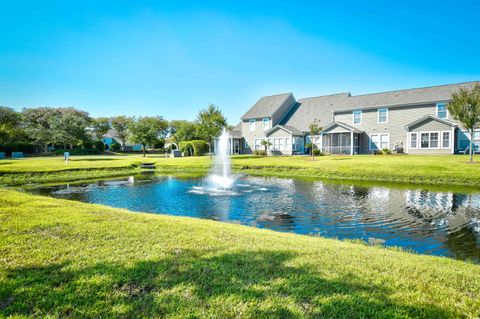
439, 140
452, 141
268, 126
379, 141
353, 117
446, 110
378, 115
449, 140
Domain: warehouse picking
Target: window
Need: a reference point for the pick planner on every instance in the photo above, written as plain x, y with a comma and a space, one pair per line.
246, 144
442, 110
424, 140
413, 140
251, 125
287, 143
258, 144
383, 115
357, 117
446, 139
430, 139
379, 141
296, 143
266, 123
433, 140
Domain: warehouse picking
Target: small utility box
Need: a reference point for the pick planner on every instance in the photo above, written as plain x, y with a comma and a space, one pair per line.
17, 154
176, 153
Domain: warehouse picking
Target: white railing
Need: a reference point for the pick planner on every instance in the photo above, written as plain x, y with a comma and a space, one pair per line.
343, 150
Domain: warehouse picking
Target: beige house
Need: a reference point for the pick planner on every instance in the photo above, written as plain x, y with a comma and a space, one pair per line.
415, 121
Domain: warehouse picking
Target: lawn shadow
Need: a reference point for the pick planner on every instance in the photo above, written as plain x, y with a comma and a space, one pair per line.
187, 283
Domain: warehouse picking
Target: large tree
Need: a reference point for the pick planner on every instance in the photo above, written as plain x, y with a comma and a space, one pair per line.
69, 127
121, 126
181, 130
465, 108
210, 123
10, 125
101, 126
148, 130
37, 125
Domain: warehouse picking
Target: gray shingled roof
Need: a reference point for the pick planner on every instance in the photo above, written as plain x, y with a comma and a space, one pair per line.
266, 106
430, 117
292, 130
344, 125
236, 131
405, 97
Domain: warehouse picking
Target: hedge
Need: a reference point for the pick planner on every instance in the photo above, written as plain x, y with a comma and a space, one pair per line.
199, 147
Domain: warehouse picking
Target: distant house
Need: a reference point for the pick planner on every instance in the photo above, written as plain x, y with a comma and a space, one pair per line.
416, 120
112, 138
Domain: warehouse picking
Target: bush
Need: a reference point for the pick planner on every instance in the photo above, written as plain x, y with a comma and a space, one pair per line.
317, 153
159, 144
115, 147
17, 147
79, 151
259, 153
99, 145
386, 151
197, 147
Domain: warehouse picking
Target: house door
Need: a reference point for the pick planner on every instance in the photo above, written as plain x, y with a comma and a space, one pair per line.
236, 147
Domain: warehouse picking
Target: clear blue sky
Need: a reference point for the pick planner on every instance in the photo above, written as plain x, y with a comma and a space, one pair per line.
171, 58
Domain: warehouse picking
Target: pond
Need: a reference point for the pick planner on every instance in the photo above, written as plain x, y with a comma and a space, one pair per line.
436, 223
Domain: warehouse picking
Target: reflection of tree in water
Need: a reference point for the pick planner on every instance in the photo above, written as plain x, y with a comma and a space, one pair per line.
464, 243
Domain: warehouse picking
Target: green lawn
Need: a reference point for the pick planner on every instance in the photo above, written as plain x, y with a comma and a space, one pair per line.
68, 259
435, 170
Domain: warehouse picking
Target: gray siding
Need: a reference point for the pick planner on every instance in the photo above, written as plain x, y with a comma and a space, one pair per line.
398, 117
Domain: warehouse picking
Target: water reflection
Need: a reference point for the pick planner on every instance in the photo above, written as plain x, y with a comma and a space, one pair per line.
438, 223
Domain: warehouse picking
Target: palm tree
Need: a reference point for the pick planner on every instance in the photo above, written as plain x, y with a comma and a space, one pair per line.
315, 129
266, 143
465, 108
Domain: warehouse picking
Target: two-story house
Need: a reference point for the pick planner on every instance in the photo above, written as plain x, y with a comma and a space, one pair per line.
415, 120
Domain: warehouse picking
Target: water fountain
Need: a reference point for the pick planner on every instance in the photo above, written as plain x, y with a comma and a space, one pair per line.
221, 177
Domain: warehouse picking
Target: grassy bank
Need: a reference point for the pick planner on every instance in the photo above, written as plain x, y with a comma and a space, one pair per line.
422, 170
63, 258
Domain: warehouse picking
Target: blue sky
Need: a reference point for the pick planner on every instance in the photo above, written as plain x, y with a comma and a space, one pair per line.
172, 58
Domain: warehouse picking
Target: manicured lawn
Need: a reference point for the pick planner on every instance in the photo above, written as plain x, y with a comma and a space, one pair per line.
69, 259
436, 170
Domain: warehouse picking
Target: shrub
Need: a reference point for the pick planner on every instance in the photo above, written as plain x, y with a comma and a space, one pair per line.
317, 153
197, 147
386, 151
259, 152
78, 151
99, 146
17, 147
115, 147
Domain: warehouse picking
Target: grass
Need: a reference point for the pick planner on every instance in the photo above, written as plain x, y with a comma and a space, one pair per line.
62, 258
422, 170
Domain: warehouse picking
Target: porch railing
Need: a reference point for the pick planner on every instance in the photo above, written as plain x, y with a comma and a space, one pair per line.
341, 150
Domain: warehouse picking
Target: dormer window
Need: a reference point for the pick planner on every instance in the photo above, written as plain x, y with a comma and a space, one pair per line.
251, 125
266, 123
357, 117
442, 110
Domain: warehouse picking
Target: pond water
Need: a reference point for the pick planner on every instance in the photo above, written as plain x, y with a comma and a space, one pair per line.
436, 223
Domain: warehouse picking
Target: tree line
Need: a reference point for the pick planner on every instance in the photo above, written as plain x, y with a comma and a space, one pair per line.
45, 128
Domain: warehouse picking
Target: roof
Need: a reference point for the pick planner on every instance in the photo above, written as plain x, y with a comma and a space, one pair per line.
321, 108
341, 124
236, 131
290, 129
406, 97
267, 106
430, 117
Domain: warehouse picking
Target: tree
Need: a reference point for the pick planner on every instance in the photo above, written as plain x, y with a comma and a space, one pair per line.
69, 126
148, 130
181, 130
210, 122
121, 126
315, 129
465, 108
266, 143
101, 126
36, 123
10, 125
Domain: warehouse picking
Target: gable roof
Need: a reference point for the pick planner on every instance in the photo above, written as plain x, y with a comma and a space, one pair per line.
341, 124
267, 106
289, 129
236, 131
430, 117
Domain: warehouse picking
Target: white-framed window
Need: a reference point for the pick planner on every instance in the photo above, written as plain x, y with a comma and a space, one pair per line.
382, 115
296, 144
446, 139
379, 141
414, 140
258, 144
266, 123
442, 111
431, 140
357, 117
251, 125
